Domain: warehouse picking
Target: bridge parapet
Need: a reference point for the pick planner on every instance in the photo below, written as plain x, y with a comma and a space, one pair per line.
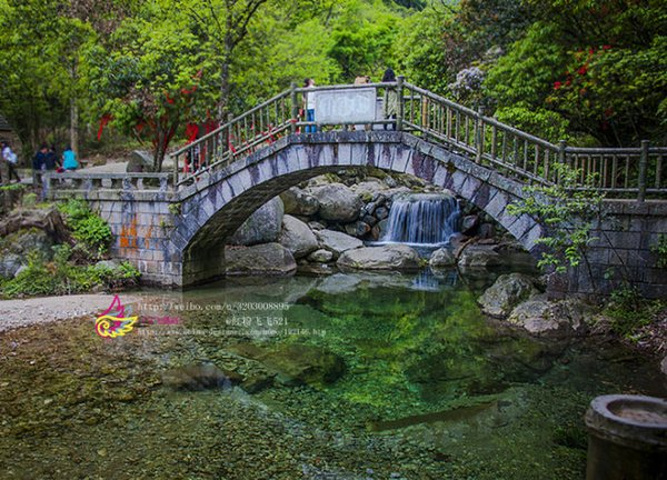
92, 186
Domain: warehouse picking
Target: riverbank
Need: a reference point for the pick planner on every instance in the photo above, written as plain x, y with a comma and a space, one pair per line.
41, 310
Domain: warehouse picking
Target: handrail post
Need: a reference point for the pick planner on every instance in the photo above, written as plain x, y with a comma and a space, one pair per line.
562, 157
175, 172
399, 93
295, 107
478, 136
643, 167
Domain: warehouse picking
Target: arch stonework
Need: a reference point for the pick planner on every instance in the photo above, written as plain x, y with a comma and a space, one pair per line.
217, 205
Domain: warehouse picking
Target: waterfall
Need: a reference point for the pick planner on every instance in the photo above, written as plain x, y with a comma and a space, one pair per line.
422, 219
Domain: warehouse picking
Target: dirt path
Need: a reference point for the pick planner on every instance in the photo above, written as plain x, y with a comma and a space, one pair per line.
33, 311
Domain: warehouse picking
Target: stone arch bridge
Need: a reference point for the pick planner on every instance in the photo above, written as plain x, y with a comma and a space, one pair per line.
173, 227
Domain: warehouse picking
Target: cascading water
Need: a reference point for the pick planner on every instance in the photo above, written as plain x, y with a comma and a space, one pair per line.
424, 219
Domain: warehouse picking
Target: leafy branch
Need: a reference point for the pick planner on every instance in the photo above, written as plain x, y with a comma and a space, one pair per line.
569, 213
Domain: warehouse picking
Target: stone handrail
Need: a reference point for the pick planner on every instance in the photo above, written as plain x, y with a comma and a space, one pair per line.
86, 182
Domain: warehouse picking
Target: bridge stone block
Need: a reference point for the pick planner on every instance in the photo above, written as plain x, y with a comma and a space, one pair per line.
359, 154
441, 155
456, 181
401, 161
506, 185
303, 155
497, 204
530, 238
470, 187
344, 154
441, 175
521, 226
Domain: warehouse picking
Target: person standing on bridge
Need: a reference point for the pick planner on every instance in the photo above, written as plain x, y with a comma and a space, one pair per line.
390, 105
310, 105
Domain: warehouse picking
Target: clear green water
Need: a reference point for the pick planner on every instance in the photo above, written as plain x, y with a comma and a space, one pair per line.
431, 389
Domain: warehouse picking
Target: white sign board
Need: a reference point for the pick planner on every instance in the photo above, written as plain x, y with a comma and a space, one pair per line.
345, 106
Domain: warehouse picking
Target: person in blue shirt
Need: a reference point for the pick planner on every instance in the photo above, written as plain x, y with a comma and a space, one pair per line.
69, 159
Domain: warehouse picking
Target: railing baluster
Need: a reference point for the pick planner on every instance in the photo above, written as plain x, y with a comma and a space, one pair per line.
658, 172
494, 137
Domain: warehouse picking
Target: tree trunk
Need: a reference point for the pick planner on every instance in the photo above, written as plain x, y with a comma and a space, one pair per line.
74, 125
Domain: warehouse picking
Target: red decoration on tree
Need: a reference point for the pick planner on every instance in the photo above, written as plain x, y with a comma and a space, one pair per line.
106, 118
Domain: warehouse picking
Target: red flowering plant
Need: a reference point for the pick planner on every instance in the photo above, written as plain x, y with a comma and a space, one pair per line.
613, 93
150, 88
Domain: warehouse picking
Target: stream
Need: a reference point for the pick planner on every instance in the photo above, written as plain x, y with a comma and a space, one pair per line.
352, 376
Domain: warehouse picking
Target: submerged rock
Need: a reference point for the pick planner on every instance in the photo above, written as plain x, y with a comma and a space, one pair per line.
506, 293
296, 364
543, 317
267, 258
200, 377
387, 257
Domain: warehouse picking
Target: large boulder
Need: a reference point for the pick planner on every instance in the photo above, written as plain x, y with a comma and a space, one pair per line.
10, 263
387, 257
542, 317
338, 202
140, 161
298, 202
479, 256
337, 242
297, 237
506, 293
16, 247
370, 188
264, 259
262, 226
442, 258
320, 256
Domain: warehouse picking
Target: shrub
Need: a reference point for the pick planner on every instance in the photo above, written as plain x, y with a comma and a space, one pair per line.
87, 227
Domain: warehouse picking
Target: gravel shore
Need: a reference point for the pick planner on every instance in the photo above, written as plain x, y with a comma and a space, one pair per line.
34, 311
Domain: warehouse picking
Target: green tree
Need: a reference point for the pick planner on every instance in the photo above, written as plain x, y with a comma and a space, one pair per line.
149, 82
595, 64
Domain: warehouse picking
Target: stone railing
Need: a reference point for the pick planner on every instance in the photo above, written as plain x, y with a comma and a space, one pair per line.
61, 185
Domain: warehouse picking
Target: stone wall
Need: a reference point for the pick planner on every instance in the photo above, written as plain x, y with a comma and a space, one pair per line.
622, 253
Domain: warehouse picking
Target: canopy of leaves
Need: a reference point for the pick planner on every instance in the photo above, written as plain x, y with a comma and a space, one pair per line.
589, 71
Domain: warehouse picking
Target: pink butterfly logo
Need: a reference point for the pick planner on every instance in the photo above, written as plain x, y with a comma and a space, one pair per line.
113, 322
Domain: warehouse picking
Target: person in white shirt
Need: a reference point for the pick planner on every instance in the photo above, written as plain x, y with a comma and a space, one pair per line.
309, 100
11, 160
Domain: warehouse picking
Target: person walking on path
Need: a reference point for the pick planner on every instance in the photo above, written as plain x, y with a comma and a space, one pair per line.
39, 165
69, 159
310, 105
390, 105
11, 160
